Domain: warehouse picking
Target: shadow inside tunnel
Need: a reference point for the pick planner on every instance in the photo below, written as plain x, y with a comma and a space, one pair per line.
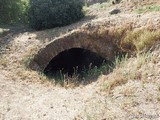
79, 63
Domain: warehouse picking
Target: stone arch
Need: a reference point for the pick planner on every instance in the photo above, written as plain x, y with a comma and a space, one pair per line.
101, 46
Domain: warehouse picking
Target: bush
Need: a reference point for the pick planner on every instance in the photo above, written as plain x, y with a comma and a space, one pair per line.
54, 13
12, 11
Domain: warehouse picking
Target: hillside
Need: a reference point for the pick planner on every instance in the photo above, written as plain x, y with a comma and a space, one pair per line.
130, 90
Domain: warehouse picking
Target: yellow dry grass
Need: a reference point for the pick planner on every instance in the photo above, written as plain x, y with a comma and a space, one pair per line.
144, 67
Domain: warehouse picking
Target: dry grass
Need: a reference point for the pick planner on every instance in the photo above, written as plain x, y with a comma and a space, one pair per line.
144, 67
141, 2
132, 89
140, 39
97, 7
126, 38
129, 39
150, 8
4, 61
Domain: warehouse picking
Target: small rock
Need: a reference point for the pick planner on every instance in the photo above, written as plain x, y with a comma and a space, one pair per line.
149, 78
69, 30
114, 11
115, 1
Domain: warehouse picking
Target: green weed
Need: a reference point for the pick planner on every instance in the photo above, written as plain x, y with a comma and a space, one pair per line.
147, 9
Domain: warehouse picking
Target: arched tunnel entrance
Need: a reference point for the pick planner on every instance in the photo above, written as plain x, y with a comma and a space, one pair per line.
74, 60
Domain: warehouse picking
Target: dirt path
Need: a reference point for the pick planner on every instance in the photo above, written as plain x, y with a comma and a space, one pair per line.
22, 101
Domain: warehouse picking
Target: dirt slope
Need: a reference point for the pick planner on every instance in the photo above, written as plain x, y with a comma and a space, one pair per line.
24, 101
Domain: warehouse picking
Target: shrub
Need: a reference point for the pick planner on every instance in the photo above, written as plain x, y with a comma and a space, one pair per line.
54, 13
12, 11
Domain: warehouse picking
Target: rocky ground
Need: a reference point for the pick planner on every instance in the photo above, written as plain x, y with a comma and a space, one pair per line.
28, 95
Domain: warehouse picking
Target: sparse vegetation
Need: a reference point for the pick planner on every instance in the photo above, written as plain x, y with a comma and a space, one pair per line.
3, 61
132, 40
86, 76
150, 8
27, 60
95, 72
140, 39
141, 68
98, 6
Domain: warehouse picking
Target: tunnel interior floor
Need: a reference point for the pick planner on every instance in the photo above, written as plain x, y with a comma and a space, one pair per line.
74, 61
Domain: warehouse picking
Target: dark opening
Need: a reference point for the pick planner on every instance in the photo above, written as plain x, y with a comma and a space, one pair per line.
74, 60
